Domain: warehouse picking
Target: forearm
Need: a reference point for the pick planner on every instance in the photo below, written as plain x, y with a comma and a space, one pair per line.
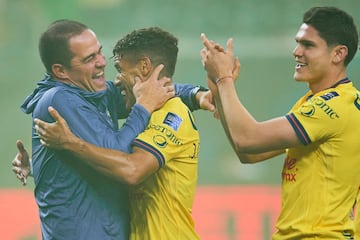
258, 157
86, 147
236, 120
243, 157
113, 160
136, 123
108, 161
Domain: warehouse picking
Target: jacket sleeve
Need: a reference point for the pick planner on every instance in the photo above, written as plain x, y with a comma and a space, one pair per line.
91, 125
187, 93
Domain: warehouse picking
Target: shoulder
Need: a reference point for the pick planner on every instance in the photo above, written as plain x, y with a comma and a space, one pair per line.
60, 94
63, 99
174, 104
173, 114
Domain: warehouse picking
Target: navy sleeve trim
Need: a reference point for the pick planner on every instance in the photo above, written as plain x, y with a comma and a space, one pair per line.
299, 129
147, 147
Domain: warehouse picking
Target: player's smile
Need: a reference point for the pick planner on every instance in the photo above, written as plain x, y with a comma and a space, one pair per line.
300, 65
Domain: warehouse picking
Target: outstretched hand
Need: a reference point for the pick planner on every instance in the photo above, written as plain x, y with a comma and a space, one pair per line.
153, 92
21, 163
54, 135
217, 61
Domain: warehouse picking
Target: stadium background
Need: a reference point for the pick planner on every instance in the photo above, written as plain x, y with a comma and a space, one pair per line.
234, 201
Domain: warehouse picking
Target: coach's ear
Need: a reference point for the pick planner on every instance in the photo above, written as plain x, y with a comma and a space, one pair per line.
59, 71
340, 53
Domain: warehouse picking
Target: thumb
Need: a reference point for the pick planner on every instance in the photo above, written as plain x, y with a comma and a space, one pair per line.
20, 147
55, 114
209, 106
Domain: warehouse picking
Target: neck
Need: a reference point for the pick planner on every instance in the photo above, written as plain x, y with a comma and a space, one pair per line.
328, 81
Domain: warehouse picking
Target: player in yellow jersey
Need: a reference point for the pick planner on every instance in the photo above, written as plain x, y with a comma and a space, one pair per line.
161, 171
320, 135
357, 217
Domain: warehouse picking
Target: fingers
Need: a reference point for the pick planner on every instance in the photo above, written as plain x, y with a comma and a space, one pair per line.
117, 80
205, 41
55, 114
209, 106
40, 127
170, 91
166, 83
19, 174
236, 69
170, 88
219, 48
156, 72
229, 45
42, 141
16, 168
209, 44
203, 53
16, 163
216, 114
41, 133
39, 123
39, 130
23, 180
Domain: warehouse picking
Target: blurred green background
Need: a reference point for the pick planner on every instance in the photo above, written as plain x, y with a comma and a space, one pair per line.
263, 33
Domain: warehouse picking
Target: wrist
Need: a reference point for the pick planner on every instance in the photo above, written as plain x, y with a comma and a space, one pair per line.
194, 94
223, 78
145, 105
70, 144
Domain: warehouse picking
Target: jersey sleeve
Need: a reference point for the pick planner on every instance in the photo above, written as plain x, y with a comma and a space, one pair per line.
317, 118
164, 137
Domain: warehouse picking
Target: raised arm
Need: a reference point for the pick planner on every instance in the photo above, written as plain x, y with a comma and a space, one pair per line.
246, 135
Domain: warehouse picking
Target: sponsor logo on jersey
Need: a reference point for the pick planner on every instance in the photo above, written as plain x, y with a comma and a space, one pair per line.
160, 141
321, 103
307, 110
167, 134
173, 120
329, 95
289, 170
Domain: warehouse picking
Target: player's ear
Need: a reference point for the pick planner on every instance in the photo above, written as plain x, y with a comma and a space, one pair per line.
340, 53
145, 66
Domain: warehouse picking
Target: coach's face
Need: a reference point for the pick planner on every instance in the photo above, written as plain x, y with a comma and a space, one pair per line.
88, 63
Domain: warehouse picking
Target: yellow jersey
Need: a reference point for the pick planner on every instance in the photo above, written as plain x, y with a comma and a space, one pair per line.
161, 206
357, 216
321, 178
